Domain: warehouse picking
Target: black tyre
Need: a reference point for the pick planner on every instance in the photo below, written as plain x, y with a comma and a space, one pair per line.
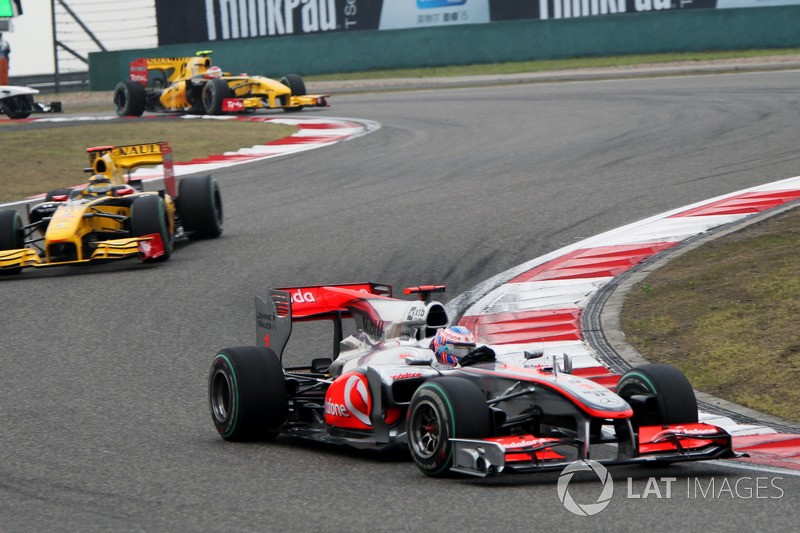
200, 207
670, 397
12, 235
130, 99
247, 394
56, 192
148, 216
298, 87
442, 409
215, 91
20, 106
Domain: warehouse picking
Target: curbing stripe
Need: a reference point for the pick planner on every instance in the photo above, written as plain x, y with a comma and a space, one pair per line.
506, 307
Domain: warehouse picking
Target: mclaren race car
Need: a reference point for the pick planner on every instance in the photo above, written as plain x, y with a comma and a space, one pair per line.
17, 102
193, 85
385, 385
112, 217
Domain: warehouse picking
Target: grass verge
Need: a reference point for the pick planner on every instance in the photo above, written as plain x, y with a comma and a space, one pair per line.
726, 315
38, 160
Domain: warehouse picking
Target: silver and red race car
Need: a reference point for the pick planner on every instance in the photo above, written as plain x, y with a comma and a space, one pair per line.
384, 386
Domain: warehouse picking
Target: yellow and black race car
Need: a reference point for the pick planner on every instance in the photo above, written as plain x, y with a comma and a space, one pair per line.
193, 85
112, 217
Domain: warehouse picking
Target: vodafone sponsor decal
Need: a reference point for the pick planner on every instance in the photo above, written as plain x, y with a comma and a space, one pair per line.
300, 297
348, 403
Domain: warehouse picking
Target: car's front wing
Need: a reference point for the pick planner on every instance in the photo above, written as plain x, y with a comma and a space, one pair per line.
144, 247
527, 453
238, 105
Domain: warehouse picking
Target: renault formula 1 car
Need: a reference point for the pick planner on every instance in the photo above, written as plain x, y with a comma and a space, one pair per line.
112, 217
17, 102
384, 387
193, 85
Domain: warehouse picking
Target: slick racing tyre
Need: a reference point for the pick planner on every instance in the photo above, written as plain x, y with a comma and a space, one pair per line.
130, 99
298, 87
200, 207
20, 106
148, 216
668, 396
215, 91
441, 409
12, 235
247, 394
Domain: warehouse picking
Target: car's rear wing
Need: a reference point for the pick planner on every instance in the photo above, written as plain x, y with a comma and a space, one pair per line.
112, 160
275, 315
376, 313
324, 301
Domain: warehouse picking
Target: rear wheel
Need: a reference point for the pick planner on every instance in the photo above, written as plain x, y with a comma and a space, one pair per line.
149, 215
200, 207
12, 235
298, 88
442, 409
247, 394
215, 91
129, 99
664, 395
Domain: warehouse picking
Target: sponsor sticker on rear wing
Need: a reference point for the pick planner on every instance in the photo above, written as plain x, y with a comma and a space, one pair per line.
319, 301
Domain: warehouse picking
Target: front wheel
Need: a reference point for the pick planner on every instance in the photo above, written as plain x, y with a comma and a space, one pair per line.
12, 235
297, 86
442, 409
247, 394
200, 207
130, 99
149, 215
20, 106
660, 394
215, 91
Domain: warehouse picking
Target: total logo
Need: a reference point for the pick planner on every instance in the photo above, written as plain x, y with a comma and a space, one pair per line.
585, 509
232, 104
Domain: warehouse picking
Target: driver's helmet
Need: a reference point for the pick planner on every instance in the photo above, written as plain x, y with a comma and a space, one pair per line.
214, 72
453, 343
99, 184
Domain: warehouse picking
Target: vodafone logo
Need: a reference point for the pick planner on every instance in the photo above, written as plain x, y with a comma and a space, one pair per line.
300, 297
356, 399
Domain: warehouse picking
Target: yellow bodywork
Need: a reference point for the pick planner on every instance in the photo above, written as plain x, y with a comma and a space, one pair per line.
86, 213
179, 81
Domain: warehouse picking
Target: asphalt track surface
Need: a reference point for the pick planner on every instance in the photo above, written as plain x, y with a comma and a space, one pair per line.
104, 422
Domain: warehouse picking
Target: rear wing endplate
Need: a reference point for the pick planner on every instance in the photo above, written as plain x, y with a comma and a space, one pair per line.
274, 321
